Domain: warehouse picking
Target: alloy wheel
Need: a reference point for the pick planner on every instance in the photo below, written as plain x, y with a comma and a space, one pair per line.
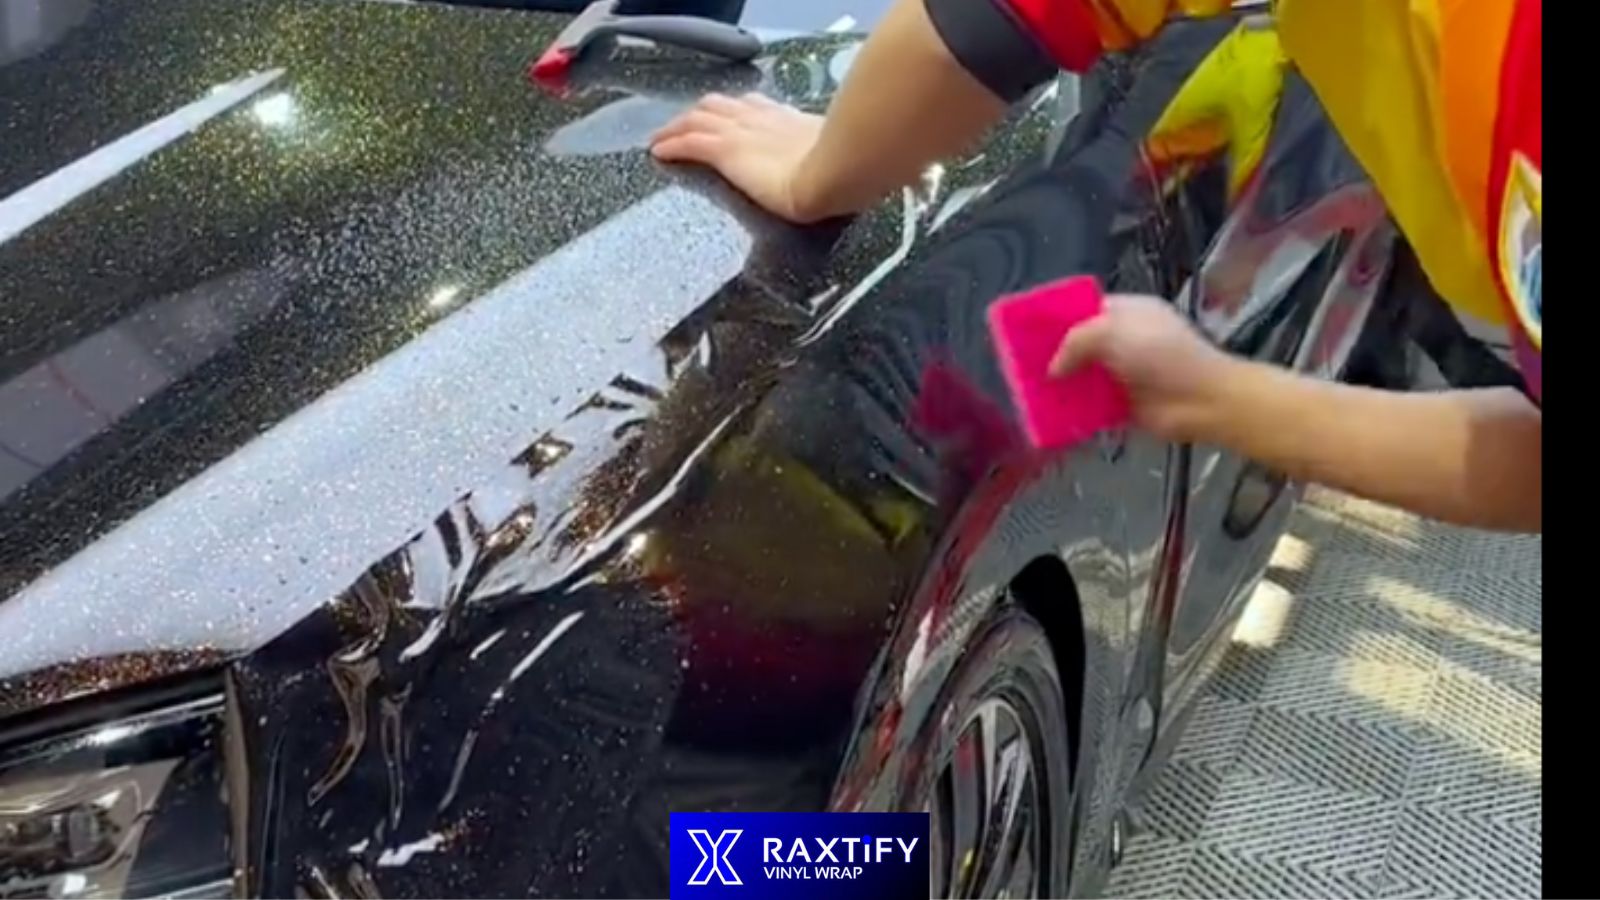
987, 811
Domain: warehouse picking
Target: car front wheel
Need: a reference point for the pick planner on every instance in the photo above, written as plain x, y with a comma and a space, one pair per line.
997, 819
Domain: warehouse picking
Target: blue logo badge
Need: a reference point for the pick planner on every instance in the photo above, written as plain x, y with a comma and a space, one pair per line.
1530, 278
760, 855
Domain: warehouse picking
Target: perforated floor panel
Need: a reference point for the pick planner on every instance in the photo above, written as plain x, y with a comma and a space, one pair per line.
1375, 730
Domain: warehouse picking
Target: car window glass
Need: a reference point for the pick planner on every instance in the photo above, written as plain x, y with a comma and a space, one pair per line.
814, 15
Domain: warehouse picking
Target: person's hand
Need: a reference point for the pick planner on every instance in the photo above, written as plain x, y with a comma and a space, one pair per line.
755, 142
1173, 375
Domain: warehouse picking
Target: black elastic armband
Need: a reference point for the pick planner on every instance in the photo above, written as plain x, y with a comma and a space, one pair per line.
986, 38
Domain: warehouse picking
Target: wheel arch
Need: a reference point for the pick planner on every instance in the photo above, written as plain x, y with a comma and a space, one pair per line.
1046, 590
1035, 535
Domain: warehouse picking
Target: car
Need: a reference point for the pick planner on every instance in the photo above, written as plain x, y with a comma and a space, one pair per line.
408, 488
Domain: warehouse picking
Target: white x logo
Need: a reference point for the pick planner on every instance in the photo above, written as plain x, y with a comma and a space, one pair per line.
715, 853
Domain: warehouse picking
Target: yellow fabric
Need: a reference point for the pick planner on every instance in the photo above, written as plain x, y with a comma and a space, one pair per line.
1228, 104
1124, 23
1376, 66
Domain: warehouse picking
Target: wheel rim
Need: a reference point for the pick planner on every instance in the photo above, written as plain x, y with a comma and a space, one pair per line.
985, 814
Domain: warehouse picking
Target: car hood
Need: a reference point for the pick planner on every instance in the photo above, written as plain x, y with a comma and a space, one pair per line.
281, 279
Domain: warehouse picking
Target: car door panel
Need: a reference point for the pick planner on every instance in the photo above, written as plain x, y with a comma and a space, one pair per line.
1288, 278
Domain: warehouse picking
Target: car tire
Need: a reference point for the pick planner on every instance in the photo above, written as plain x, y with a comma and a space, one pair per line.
996, 748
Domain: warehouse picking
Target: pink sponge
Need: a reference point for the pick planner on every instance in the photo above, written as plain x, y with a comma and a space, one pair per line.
1027, 329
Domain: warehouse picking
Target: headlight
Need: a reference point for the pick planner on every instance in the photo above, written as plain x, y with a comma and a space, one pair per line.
134, 807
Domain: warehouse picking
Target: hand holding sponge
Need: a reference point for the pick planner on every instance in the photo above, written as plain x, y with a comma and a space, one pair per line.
1028, 328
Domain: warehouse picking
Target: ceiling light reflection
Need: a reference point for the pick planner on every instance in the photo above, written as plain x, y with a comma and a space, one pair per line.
1265, 618
276, 111
444, 296
110, 735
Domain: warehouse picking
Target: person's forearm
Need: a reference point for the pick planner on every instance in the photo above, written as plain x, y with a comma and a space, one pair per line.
1471, 457
905, 103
